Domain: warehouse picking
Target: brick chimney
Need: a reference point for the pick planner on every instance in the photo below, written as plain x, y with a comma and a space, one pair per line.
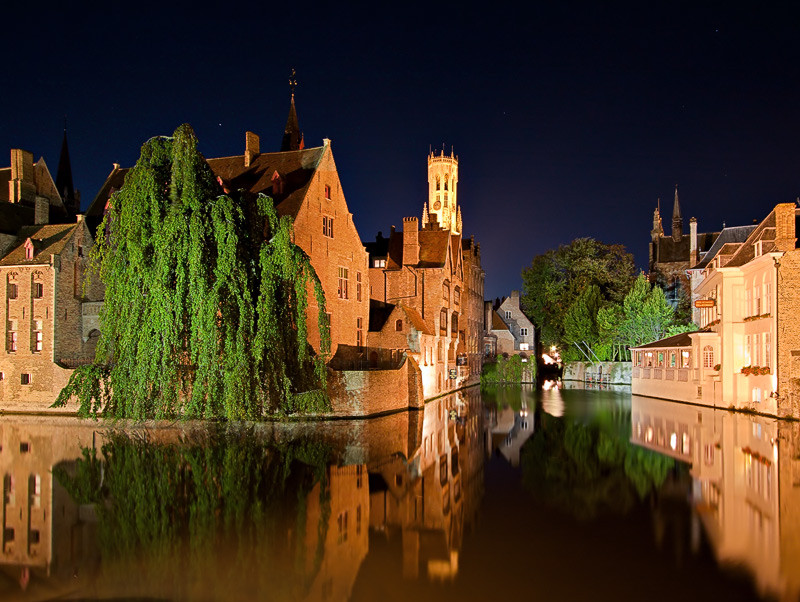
410, 241
252, 148
785, 235
21, 186
692, 242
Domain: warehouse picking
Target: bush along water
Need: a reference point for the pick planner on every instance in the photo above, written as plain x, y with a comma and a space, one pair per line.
508, 370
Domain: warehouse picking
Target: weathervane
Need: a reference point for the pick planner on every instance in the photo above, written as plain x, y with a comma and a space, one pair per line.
292, 82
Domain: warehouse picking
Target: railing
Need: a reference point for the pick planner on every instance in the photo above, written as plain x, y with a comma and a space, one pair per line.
596, 378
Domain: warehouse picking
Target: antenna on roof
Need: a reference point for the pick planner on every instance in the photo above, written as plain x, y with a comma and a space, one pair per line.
293, 82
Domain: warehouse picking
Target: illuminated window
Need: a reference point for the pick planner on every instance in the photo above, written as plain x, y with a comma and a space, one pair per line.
708, 356
748, 350
343, 283
767, 350
686, 358
379, 263
327, 226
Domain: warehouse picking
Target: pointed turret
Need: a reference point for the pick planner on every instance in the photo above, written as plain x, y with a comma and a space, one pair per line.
677, 220
292, 137
64, 178
425, 214
458, 221
657, 230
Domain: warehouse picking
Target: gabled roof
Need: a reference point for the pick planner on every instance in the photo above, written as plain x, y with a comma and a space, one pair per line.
678, 340
433, 248
96, 210
48, 240
497, 322
416, 320
766, 232
670, 251
734, 234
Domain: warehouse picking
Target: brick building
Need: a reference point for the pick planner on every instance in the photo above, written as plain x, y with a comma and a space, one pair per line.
50, 320
424, 271
304, 184
508, 329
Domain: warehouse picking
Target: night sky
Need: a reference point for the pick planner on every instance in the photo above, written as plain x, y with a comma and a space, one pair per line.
569, 120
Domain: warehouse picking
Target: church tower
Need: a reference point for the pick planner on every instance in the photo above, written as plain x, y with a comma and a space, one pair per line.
442, 203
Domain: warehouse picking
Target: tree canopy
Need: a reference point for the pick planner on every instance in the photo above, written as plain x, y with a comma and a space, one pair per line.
205, 302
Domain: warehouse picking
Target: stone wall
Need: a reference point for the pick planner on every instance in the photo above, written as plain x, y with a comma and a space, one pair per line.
371, 392
620, 371
788, 335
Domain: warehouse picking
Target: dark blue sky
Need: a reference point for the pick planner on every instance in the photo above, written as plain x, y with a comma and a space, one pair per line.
569, 119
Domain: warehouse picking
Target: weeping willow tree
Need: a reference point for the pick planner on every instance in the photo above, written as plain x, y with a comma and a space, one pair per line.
205, 302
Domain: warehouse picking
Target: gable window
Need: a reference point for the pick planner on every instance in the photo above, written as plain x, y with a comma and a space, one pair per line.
12, 290
523, 332
379, 263
29, 250
11, 337
327, 226
508, 315
343, 283
443, 322
37, 335
37, 290
358, 286
25, 378
327, 192
398, 325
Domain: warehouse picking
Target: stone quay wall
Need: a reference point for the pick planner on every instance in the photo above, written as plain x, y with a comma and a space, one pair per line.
620, 372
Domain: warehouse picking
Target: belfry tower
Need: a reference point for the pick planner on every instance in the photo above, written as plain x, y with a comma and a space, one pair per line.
442, 204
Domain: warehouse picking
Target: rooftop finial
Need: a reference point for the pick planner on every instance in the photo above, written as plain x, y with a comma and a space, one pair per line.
293, 82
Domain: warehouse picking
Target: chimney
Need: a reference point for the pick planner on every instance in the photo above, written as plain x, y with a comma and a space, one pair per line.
252, 148
41, 211
21, 187
410, 241
692, 242
515, 298
785, 235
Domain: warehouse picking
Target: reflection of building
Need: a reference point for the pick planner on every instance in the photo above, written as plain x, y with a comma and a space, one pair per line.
744, 483
430, 496
510, 430
747, 354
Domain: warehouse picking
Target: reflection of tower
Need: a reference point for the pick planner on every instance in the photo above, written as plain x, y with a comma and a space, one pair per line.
442, 192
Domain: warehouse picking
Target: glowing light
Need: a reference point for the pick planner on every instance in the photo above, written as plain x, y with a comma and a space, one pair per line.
547, 359
673, 441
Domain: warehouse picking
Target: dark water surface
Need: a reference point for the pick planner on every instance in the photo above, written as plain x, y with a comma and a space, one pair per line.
551, 495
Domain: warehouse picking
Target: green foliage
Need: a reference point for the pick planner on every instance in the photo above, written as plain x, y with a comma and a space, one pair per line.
507, 370
556, 279
647, 316
589, 469
206, 510
205, 303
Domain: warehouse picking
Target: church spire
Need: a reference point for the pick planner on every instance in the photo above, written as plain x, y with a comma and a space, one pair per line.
425, 214
677, 220
292, 136
64, 177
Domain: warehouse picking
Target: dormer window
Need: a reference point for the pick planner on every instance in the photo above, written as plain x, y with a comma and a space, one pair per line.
29, 249
758, 248
277, 183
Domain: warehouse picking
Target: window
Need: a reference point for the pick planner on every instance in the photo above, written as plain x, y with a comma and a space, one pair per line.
11, 339
685, 359
379, 263
438, 183
748, 302
757, 349
12, 290
398, 325
767, 298
523, 332
440, 352
443, 321
358, 518
29, 251
446, 290
80, 251
25, 378
508, 315
37, 335
342, 524
358, 286
748, 350
343, 283
457, 295
327, 192
359, 332
327, 226
708, 356
673, 359
38, 290
445, 185
454, 325
2, 375
767, 350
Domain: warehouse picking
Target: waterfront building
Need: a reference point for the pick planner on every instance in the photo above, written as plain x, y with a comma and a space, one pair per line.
423, 268
746, 354
304, 185
508, 329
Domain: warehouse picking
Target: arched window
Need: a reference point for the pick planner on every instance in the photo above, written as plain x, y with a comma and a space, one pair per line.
446, 290
398, 325
445, 181
708, 356
443, 321
454, 324
438, 183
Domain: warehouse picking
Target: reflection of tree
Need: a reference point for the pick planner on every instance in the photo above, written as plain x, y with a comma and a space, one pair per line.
206, 511
589, 468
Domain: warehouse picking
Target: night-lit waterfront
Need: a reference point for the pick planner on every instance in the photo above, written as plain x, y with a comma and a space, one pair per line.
566, 493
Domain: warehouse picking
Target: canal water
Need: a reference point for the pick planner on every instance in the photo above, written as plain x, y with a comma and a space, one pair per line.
557, 494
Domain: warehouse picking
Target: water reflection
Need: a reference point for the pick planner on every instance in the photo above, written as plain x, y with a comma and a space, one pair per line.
745, 484
196, 512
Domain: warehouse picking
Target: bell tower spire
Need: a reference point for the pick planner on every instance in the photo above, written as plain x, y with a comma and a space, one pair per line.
64, 177
677, 220
443, 190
